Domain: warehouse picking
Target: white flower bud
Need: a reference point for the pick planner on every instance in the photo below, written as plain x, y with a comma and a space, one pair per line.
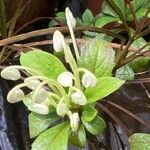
39, 109
79, 98
57, 41
32, 83
10, 74
65, 79
15, 95
62, 109
89, 80
41, 95
70, 18
74, 121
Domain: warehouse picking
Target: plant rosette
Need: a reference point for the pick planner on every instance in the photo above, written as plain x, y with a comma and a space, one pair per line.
61, 101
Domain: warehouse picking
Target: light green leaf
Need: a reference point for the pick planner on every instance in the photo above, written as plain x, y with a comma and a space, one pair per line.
87, 17
38, 123
98, 57
125, 73
104, 20
96, 126
140, 141
140, 64
104, 87
55, 138
78, 138
89, 113
61, 15
43, 63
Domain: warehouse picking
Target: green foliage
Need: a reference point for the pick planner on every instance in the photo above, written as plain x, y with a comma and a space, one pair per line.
42, 62
101, 89
55, 138
78, 138
140, 141
87, 17
125, 73
98, 57
96, 126
89, 113
39, 123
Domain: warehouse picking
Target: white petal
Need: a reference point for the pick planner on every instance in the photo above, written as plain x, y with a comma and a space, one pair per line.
62, 109
79, 98
10, 74
89, 80
39, 109
32, 83
41, 95
74, 121
65, 79
15, 96
70, 18
57, 41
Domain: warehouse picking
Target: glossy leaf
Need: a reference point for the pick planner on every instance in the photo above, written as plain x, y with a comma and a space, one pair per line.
104, 87
89, 113
87, 17
98, 57
78, 138
55, 138
94, 127
139, 141
125, 73
104, 20
44, 63
38, 123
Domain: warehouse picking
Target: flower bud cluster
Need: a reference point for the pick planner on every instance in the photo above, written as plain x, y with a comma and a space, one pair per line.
66, 93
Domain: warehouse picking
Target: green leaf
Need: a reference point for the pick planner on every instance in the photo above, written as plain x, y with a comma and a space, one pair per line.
140, 64
140, 141
125, 73
98, 57
87, 17
61, 15
89, 113
55, 138
109, 11
138, 4
43, 63
104, 87
38, 123
104, 20
96, 126
78, 138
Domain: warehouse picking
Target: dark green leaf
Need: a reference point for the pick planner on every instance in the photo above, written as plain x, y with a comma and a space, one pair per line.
87, 17
55, 138
104, 87
43, 63
140, 141
38, 123
78, 138
98, 57
96, 126
104, 20
138, 4
125, 73
89, 113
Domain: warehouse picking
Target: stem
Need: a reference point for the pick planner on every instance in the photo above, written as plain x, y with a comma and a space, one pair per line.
133, 56
73, 40
3, 26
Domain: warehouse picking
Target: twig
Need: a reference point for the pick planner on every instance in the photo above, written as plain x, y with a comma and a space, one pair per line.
145, 123
113, 117
52, 30
144, 80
